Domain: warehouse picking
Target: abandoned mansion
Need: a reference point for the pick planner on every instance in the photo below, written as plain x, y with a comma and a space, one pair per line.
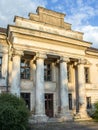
50, 65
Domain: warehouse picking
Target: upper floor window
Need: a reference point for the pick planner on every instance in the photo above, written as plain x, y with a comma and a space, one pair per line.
0, 66
87, 75
47, 72
69, 73
25, 69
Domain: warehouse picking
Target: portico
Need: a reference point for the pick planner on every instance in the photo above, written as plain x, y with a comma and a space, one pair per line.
47, 75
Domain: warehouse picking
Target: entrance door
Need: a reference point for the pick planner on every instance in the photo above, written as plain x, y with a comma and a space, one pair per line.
49, 104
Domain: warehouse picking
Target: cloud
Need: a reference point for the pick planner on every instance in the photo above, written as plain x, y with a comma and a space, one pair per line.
10, 8
91, 34
81, 16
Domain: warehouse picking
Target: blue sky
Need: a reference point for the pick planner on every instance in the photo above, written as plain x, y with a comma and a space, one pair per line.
82, 14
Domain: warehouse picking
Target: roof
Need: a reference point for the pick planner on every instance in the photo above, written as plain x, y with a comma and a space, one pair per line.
3, 30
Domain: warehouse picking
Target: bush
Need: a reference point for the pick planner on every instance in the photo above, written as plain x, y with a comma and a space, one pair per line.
13, 113
95, 113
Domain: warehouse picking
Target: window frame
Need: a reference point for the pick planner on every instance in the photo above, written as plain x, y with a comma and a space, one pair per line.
88, 101
25, 74
87, 74
69, 73
47, 71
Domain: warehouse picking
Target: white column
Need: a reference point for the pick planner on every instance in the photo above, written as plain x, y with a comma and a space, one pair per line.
53, 72
82, 91
40, 101
15, 84
33, 77
32, 70
64, 89
5, 64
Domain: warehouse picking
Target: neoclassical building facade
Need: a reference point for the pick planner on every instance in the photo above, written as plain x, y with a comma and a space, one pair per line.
50, 65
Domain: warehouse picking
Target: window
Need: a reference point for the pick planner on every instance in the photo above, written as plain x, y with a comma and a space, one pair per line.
25, 69
69, 73
70, 101
88, 99
87, 79
47, 72
0, 66
26, 97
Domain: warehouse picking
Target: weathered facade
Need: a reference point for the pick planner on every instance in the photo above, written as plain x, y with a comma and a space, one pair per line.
49, 65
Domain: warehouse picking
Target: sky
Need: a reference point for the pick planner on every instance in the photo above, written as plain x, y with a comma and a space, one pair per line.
82, 14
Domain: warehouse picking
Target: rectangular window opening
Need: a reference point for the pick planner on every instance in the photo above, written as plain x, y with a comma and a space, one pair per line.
47, 72
88, 99
87, 76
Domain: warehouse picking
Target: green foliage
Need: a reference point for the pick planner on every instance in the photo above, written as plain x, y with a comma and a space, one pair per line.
13, 113
95, 113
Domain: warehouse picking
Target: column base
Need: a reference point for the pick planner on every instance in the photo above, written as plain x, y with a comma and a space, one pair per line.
67, 116
82, 116
38, 119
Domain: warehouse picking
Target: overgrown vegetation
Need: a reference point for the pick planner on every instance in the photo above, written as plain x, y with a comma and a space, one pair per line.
95, 111
13, 113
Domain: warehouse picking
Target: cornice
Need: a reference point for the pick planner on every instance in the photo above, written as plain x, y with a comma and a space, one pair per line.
27, 33
93, 53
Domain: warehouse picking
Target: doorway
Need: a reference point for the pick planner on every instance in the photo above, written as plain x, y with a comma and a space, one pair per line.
49, 104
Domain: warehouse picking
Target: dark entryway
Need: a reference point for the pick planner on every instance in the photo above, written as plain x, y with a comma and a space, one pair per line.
49, 104
26, 97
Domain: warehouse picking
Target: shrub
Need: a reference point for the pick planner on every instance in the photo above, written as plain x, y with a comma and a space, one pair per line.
13, 113
95, 113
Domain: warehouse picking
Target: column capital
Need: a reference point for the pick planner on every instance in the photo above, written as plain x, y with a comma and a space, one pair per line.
82, 61
17, 52
40, 55
4, 49
64, 59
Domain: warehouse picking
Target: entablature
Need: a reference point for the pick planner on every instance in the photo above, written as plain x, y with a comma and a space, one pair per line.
31, 33
92, 52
